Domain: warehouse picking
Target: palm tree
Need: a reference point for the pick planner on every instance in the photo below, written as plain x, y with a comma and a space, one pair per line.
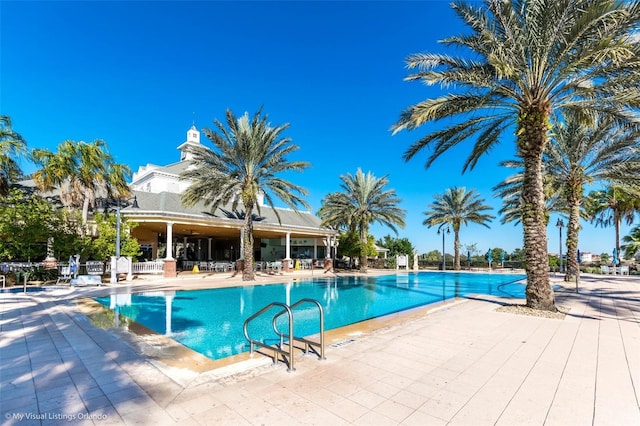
12, 146
363, 201
528, 59
611, 206
82, 172
579, 155
632, 246
457, 207
248, 157
510, 190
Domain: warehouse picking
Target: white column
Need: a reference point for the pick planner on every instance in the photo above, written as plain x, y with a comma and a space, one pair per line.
287, 244
169, 255
315, 248
199, 255
209, 249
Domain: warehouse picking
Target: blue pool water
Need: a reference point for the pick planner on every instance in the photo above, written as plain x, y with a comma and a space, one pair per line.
211, 321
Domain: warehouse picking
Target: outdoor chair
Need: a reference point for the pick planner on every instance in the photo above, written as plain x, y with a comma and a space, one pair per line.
624, 270
65, 275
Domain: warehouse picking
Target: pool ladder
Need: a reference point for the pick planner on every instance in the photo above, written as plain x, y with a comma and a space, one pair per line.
292, 338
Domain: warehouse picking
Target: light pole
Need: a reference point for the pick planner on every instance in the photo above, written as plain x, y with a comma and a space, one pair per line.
114, 268
560, 225
448, 231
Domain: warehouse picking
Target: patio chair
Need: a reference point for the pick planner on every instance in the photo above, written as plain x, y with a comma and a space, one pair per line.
624, 270
604, 269
65, 275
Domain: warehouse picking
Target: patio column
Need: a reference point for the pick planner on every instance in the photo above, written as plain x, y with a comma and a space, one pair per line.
209, 249
315, 248
169, 268
199, 255
287, 245
241, 244
169, 241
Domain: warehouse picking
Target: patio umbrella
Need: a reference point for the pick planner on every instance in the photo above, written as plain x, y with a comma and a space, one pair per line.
579, 257
615, 256
502, 258
489, 257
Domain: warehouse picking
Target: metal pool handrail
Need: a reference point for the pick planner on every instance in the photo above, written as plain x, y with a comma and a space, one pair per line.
306, 342
276, 350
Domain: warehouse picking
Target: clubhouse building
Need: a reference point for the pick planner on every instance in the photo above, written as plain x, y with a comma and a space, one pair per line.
179, 235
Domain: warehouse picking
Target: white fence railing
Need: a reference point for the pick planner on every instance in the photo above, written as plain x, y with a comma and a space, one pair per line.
88, 268
153, 267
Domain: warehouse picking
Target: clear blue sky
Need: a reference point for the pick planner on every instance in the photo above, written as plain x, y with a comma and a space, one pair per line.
136, 74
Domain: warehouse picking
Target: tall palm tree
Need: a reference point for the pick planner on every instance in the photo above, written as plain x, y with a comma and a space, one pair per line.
457, 207
579, 155
247, 158
82, 172
12, 146
364, 200
528, 58
609, 207
510, 191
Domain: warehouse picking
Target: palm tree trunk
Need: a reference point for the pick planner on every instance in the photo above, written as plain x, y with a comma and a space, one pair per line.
85, 210
572, 242
247, 250
618, 224
364, 231
532, 139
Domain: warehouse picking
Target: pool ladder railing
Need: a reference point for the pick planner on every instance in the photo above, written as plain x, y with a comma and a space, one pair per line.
290, 336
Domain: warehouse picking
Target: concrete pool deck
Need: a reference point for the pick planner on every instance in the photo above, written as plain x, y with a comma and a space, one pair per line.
462, 363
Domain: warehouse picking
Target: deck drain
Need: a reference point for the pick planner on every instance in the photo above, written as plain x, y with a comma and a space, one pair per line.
342, 343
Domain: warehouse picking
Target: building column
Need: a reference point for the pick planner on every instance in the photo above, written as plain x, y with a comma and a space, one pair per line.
199, 255
169, 254
287, 245
209, 258
242, 244
169, 268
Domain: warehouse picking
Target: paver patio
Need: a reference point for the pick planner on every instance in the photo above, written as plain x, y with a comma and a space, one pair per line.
461, 364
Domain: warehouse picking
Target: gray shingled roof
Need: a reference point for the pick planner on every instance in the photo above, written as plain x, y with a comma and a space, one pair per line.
170, 203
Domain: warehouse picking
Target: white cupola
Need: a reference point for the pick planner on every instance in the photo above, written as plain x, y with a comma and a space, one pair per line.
193, 138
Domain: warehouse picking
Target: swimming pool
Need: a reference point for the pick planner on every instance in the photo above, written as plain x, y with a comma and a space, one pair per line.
211, 321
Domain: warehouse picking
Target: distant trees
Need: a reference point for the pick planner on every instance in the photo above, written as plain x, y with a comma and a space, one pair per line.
12, 147
364, 200
457, 207
609, 207
27, 222
395, 245
82, 172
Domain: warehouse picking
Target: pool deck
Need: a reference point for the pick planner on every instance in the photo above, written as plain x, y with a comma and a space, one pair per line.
461, 363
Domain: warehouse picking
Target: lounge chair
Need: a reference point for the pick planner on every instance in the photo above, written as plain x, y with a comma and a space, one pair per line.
624, 270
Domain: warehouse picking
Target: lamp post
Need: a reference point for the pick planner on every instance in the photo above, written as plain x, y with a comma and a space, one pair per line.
114, 268
560, 225
448, 231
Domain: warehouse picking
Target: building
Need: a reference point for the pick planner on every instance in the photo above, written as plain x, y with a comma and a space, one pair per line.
170, 231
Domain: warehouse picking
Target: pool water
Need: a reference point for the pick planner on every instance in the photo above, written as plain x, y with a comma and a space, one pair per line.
211, 321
